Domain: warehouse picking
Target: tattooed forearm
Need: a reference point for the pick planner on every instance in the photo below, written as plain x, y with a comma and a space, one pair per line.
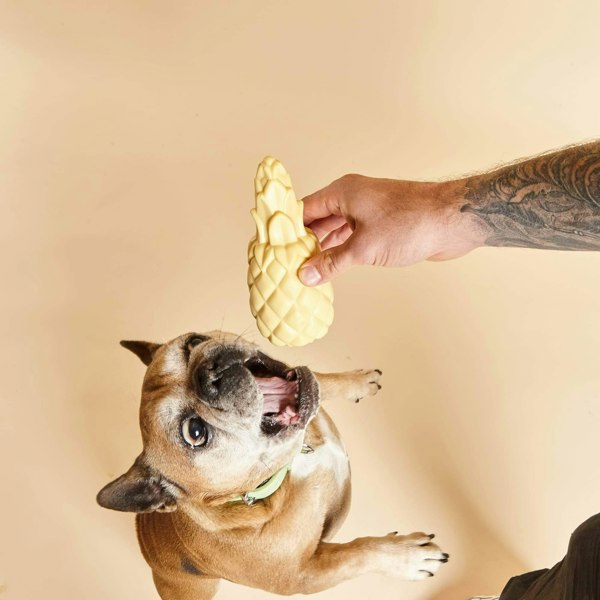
552, 201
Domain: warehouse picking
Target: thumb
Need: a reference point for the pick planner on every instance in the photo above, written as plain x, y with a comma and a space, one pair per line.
327, 264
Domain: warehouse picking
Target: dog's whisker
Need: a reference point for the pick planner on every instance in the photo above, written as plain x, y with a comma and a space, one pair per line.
242, 335
268, 466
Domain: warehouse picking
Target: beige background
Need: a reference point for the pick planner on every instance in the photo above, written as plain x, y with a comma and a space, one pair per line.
130, 132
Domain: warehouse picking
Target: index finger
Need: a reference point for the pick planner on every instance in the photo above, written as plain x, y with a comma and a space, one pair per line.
321, 204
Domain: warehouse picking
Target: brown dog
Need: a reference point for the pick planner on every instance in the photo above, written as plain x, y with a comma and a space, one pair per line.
242, 477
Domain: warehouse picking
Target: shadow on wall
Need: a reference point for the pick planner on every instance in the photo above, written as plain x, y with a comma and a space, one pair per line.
484, 558
487, 557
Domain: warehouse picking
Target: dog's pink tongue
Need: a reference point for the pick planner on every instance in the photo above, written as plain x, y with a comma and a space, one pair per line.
279, 394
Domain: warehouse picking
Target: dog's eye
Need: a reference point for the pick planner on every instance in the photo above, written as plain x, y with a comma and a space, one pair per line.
194, 432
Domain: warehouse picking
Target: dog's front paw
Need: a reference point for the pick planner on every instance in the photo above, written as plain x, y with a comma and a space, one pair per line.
413, 557
365, 383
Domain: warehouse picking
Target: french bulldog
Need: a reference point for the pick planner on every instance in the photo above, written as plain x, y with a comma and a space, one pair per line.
244, 477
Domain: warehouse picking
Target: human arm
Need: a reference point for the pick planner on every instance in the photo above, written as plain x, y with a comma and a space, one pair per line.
551, 201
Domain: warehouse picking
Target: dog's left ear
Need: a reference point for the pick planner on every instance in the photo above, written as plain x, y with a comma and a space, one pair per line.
139, 490
145, 351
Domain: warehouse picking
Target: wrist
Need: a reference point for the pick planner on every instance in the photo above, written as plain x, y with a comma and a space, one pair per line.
464, 230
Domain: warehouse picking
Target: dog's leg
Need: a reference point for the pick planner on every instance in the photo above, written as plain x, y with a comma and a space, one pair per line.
352, 385
185, 586
411, 557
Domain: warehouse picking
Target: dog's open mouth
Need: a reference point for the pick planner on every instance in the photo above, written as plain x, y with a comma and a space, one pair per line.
290, 395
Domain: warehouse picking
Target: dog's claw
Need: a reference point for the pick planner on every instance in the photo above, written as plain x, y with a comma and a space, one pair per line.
423, 557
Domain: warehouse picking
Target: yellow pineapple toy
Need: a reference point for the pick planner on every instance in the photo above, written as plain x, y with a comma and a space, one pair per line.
287, 312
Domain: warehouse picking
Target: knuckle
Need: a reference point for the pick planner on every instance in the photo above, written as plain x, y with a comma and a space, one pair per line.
329, 263
349, 179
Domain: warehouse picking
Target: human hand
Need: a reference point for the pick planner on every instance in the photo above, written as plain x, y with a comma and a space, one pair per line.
366, 221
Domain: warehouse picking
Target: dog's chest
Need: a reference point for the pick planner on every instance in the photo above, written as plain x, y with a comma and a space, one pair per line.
329, 455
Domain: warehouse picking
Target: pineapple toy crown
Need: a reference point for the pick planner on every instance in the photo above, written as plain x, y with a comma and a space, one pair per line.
287, 312
278, 215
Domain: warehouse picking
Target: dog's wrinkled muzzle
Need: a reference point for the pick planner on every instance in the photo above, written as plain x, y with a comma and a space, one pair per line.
217, 377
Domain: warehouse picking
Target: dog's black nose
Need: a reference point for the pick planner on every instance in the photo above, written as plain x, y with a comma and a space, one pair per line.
213, 376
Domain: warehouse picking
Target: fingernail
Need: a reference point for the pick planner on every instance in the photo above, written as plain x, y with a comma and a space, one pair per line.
309, 275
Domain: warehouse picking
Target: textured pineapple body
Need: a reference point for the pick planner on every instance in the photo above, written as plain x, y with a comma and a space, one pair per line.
287, 312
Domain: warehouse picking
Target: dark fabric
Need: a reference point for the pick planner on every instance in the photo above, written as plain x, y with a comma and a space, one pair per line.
515, 589
576, 577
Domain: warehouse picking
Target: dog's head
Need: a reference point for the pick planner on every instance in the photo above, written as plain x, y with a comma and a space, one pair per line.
217, 416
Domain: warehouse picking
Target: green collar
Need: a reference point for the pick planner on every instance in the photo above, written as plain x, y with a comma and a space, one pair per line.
270, 486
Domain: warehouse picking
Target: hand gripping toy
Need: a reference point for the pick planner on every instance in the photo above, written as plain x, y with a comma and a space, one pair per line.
287, 312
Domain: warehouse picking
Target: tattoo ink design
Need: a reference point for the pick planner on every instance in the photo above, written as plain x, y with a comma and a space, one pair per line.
552, 201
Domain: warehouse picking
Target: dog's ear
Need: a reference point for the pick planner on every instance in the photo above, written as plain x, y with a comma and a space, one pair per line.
144, 350
139, 490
